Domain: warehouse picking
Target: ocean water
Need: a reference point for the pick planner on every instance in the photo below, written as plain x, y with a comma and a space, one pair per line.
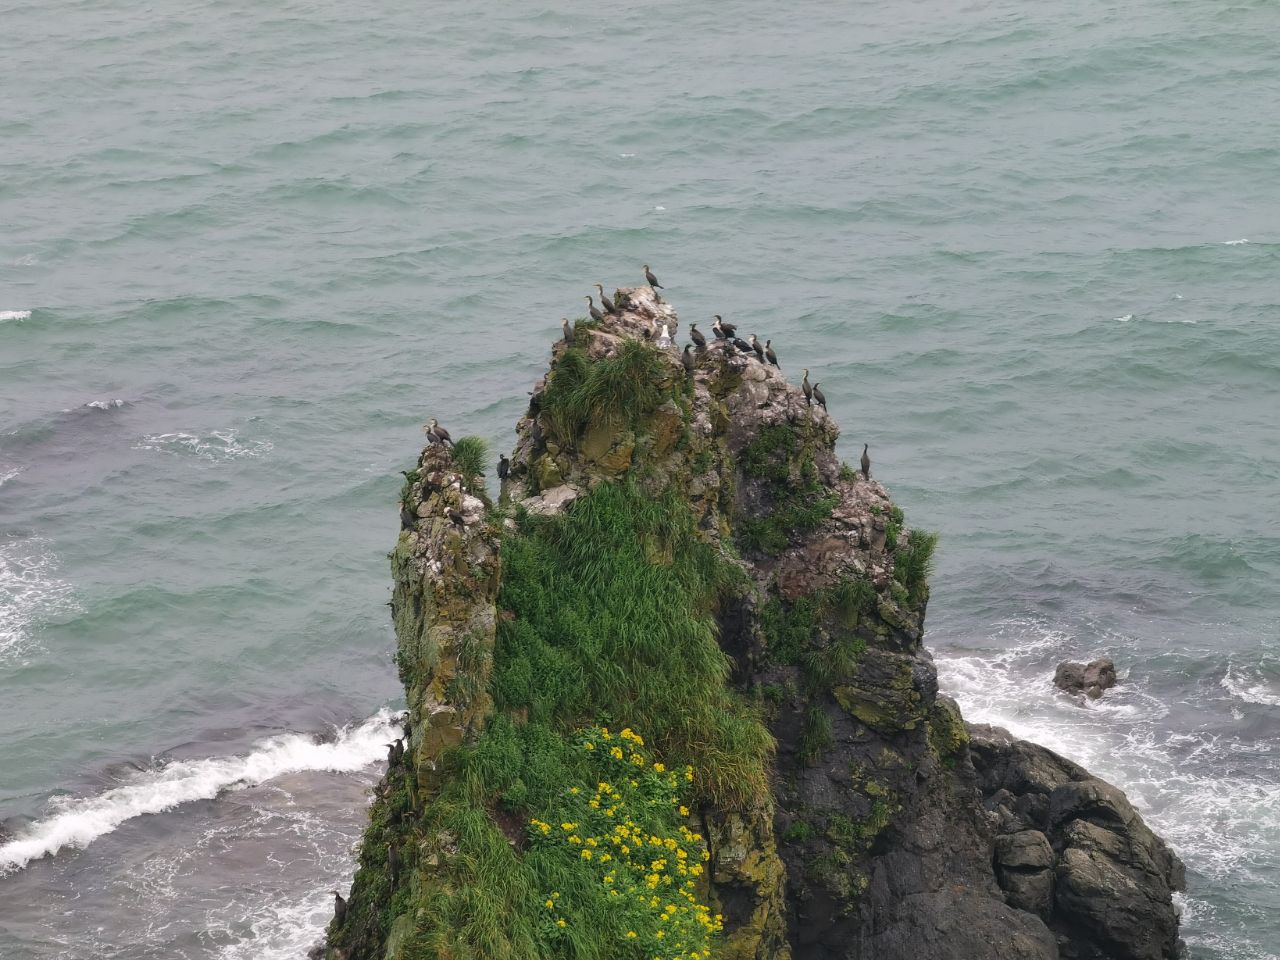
1031, 252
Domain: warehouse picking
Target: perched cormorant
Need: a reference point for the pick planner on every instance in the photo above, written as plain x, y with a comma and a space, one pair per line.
758, 347
595, 314
391, 754
742, 345
729, 328
399, 750
568, 330
393, 861
770, 355
339, 908
664, 339
696, 336
407, 519
605, 301
818, 395
808, 390
504, 466
440, 434
866, 464
717, 330
687, 359
653, 281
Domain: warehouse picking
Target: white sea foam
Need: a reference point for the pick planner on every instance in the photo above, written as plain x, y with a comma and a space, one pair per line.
1251, 689
8, 473
77, 822
216, 446
30, 589
111, 403
1223, 824
1233, 243
14, 314
283, 931
1125, 319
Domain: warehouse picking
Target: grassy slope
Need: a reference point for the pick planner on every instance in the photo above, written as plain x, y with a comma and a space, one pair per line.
611, 623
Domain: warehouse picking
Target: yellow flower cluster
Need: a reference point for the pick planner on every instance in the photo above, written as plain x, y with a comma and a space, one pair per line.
631, 833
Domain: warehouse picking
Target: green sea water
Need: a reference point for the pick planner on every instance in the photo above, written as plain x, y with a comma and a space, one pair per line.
1032, 253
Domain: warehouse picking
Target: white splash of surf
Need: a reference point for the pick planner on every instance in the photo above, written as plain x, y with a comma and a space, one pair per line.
108, 404
216, 447
30, 590
1250, 689
79, 821
14, 314
1233, 243
1222, 824
1125, 319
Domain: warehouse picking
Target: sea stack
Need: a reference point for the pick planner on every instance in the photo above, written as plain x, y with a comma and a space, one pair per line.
668, 546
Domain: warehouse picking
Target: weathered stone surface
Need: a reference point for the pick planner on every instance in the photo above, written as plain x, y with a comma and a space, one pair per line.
1112, 878
1024, 870
1089, 679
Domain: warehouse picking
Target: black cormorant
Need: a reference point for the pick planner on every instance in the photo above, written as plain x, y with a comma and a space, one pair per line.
653, 281
729, 328
339, 908
696, 336
595, 314
866, 464
770, 355
817, 395
742, 345
605, 301
504, 466
687, 359
568, 330
440, 434
758, 347
808, 390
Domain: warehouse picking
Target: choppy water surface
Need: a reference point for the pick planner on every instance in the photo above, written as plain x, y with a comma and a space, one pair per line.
1031, 252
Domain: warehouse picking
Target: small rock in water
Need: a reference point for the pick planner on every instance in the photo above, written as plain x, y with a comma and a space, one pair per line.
1089, 679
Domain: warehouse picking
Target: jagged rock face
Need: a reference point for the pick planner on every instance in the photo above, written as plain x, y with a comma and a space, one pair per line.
890, 832
1071, 848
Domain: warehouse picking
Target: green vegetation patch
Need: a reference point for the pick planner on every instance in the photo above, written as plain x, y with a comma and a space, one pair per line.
609, 625
791, 628
471, 458
798, 501
617, 391
914, 563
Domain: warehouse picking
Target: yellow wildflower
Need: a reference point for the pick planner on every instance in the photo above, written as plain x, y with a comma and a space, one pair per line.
659, 768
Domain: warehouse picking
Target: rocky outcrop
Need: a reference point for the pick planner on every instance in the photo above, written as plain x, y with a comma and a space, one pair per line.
1086, 679
1071, 848
892, 829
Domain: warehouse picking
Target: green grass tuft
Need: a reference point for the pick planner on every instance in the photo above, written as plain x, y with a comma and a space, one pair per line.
471, 457
914, 563
616, 391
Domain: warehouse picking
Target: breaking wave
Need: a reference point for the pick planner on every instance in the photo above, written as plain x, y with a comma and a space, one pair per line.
77, 822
